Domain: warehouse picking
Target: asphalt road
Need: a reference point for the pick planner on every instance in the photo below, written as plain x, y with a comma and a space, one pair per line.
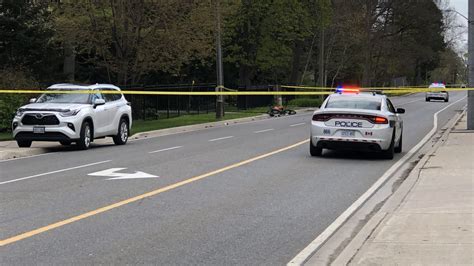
214, 200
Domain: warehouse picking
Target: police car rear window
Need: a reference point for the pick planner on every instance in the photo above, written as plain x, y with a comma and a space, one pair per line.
365, 104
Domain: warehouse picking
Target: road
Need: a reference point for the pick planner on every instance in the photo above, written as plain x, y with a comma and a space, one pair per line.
242, 194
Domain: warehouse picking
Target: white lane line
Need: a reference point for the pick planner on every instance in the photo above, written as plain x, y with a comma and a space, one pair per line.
299, 124
53, 172
306, 253
231, 124
228, 137
167, 149
265, 130
408, 102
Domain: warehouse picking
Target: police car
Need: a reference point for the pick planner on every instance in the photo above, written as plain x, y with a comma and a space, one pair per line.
351, 119
438, 92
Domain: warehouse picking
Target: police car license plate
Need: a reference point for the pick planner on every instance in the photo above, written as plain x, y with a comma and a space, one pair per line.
38, 130
348, 133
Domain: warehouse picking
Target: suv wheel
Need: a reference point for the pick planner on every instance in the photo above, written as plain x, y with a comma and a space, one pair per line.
85, 138
122, 134
24, 143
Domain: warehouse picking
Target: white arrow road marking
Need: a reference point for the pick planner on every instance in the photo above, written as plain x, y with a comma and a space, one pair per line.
114, 175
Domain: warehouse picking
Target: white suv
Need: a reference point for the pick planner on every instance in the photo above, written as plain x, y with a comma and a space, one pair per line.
73, 116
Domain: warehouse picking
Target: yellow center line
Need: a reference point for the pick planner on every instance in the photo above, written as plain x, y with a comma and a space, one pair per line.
58, 224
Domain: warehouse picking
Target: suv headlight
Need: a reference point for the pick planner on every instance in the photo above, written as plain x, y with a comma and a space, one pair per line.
70, 113
19, 112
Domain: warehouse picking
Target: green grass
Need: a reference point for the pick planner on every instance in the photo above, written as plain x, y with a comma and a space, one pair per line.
5, 136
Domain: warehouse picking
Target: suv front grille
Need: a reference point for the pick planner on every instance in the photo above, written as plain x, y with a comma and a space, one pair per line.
40, 119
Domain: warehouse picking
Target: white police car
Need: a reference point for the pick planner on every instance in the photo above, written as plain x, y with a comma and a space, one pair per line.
438, 92
353, 120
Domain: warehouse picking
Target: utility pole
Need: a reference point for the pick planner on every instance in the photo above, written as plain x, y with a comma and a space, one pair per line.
470, 43
220, 73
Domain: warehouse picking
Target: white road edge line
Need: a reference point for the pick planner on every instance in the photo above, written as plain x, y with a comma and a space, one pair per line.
295, 125
26, 157
167, 149
53, 172
265, 130
228, 137
305, 254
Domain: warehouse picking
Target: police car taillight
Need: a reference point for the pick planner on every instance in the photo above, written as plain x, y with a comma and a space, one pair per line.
379, 120
321, 117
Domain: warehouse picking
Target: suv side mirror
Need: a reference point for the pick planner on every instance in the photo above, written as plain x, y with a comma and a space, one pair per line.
98, 102
400, 111
32, 100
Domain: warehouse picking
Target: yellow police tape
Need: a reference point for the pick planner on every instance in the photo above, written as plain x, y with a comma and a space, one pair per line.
365, 88
214, 93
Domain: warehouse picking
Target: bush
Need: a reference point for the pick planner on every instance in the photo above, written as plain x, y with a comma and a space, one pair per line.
13, 79
305, 102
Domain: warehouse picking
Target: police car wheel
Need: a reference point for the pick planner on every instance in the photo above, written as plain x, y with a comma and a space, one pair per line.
398, 149
315, 151
446, 100
427, 99
389, 153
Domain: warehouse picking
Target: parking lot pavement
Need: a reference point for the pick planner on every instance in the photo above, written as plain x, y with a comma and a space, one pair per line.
434, 222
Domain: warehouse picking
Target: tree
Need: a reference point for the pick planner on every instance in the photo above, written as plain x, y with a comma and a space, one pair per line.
261, 38
26, 38
130, 39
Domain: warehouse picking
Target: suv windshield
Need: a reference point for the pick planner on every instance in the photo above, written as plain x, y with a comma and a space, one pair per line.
352, 103
64, 98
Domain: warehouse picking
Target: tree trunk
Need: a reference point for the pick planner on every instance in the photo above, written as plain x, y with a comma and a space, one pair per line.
69, 61
295, 75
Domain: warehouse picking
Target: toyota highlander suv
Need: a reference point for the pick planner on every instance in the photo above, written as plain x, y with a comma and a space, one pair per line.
438, 92
74, 113
360, 121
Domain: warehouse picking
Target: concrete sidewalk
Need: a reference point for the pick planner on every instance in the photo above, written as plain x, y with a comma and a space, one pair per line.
432, 222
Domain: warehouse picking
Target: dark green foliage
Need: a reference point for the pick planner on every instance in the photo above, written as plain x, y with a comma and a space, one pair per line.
26, 38
305, 102
13, 78
367, 42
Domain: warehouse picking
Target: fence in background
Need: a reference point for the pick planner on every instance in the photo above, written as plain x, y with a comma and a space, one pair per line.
150, 107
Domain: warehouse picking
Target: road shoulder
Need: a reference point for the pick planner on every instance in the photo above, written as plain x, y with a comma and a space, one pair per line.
430, 218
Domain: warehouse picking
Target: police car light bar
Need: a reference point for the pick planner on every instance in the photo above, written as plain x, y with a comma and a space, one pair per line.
347, 90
